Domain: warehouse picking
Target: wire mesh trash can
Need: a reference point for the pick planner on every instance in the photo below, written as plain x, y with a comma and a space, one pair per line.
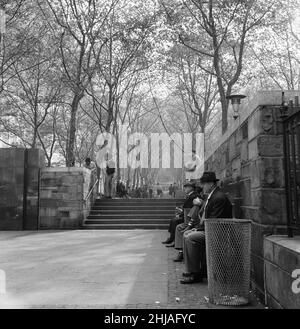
228, 244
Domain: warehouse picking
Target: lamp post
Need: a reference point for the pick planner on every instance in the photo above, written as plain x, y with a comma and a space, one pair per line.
235, 102
284, 108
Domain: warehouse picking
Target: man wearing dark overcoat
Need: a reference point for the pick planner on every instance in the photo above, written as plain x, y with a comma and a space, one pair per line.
217, 205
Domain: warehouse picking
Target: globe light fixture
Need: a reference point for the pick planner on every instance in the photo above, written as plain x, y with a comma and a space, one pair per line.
284, 107
235, 102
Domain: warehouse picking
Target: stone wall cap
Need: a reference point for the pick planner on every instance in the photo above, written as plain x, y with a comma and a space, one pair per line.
286, 242
65, 169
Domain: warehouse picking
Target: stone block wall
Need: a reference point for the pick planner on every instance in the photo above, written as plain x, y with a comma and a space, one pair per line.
62, 195
249, 163
282, 272
35, 163
15, 171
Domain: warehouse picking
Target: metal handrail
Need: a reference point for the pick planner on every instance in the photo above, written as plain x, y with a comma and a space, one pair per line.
91, 190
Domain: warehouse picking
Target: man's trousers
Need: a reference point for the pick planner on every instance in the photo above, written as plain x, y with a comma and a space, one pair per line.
108, 187
194, 251
180, 229
172, 227
179, 235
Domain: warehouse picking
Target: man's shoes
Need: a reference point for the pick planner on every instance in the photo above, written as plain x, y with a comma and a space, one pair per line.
186, 274
194, 278
179, 257
167, 241
171, 245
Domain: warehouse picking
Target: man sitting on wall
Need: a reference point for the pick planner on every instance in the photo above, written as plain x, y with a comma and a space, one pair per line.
191, 194
193, 221
217, 205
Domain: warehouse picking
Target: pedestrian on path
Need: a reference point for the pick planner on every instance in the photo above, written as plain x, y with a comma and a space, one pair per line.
110, 171
159, 191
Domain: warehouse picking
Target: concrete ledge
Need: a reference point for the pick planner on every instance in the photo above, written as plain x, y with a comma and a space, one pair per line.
281, 259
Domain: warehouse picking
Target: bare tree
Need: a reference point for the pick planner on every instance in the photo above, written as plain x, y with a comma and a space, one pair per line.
219, 30
81, 42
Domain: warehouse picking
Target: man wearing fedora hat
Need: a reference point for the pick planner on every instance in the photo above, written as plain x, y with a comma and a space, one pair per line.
191, 194
217, 205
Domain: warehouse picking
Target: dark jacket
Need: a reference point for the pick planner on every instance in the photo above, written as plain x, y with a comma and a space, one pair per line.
218, 206
188, 203
194, 214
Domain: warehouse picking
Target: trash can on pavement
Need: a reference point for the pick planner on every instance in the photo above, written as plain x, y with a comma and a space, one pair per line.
228, 244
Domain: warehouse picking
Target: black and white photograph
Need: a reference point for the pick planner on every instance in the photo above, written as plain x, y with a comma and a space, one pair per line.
150, 158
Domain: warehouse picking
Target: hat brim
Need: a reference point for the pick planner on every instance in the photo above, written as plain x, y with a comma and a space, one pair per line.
191, 185
208, 180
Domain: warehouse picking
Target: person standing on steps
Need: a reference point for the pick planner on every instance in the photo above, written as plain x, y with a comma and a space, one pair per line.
171, 190
175, 188
89, 164
95, 171
110, 171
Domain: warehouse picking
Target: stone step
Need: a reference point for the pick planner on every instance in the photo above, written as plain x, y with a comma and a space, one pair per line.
125, 226
125, 217
131, 213
128, 221
137, 201
120, 211
137, 204
139, 207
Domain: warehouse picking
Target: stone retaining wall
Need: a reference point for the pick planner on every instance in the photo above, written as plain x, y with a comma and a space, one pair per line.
282, 272
249, 162
14, 173
62, 195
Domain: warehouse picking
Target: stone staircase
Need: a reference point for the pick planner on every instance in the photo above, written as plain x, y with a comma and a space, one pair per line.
131, 214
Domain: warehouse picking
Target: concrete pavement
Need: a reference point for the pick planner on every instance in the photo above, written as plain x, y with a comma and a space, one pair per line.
83, 268
93, 269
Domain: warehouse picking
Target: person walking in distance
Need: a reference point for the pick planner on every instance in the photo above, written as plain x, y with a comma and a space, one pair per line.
159, 191
110, 171
150, 191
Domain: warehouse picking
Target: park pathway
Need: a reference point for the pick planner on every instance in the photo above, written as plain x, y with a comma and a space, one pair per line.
94, 269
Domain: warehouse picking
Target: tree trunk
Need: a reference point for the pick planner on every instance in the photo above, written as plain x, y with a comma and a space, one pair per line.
118, 154
70, 156
224, 105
